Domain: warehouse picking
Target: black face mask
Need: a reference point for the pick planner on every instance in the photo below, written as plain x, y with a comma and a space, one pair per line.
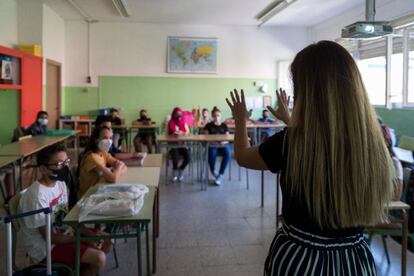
59, 175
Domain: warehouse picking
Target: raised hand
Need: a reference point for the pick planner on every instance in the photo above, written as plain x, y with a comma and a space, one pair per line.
238, 106
282, 108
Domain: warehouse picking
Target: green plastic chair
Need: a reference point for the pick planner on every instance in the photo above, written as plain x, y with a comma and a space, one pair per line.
387, 230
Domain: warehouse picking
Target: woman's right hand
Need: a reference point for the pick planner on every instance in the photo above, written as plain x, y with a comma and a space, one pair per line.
282, 109
238, 106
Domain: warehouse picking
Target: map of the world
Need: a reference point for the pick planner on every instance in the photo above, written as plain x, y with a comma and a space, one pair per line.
192, 55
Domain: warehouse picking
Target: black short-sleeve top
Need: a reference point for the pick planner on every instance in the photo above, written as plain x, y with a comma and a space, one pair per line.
274, 153
212, 128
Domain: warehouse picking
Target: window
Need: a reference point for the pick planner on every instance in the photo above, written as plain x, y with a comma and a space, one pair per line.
373, 74
410, 88
370, 58
397, 68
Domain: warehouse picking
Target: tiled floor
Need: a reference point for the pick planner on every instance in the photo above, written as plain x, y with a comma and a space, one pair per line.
222, 231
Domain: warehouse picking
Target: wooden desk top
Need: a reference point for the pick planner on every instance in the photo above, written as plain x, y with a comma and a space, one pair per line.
206, 138
405, 156
149, 176
153, 160
6, 160
32, 145
145, 214
259, 125
398, 205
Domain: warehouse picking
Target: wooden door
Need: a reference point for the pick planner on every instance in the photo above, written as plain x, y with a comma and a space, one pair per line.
53, 81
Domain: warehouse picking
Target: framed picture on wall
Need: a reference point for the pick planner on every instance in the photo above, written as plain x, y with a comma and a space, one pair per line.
6, 70
192, 55
267, 101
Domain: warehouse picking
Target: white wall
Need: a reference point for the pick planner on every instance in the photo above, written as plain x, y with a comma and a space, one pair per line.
8, 23
141, 49
386, 10
29, 22
53, 38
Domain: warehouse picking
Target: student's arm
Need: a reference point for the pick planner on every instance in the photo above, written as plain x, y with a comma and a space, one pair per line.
111, 176
127, 155
136, 123
246, 155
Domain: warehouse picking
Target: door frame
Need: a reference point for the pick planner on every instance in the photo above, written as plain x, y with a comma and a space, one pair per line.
59, 93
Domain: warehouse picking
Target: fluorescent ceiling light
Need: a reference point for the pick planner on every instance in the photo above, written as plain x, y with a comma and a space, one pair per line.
122, 8
272, 9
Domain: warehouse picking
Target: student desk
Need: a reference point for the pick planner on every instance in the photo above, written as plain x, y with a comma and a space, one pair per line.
384, 228
141, 220
405, 156
256, 128
128, 129
150, 176
153, 160
27, 147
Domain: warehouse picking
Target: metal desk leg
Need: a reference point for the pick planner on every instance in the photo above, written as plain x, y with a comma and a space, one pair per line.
404, 243
247, 178
139, 249
206, 168
21, 173
148, 248
155, 231
262, 187
166, 165
77, 251
14, 179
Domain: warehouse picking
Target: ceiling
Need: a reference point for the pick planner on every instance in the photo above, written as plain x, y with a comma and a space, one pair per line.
216, 12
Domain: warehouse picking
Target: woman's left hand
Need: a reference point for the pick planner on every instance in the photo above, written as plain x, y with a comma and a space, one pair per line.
238, 106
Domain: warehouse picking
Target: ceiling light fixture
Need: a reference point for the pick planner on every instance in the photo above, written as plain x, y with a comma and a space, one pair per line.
122, 8
272, 9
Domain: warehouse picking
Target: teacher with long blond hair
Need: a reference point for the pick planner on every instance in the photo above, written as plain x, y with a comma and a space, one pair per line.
336, 173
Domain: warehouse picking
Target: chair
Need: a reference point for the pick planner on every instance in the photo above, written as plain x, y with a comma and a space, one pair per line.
389, 229
13, 208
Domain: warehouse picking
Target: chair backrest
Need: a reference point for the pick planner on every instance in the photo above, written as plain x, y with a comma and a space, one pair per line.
407, 143
13, 205
25, 137
17, 133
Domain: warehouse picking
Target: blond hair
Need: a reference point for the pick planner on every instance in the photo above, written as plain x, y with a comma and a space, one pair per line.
337, 158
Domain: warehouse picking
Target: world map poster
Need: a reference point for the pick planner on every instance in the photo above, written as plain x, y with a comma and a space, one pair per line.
192, 55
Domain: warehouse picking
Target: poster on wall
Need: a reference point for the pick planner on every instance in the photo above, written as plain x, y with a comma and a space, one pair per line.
192, 55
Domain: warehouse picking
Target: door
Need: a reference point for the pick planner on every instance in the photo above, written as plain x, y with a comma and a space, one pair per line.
53, 81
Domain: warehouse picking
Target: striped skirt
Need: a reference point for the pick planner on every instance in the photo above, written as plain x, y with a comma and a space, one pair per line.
295, 252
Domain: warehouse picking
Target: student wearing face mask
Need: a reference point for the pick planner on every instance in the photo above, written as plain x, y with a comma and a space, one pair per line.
144, 136
177, 126
40, 125
96, 164
50, 191
217, 127
105, 121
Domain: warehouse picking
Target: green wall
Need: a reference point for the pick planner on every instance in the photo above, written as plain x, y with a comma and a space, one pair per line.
9, 114
159, 95
402, 120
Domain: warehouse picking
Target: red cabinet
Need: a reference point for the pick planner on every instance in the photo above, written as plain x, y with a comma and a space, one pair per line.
29, 86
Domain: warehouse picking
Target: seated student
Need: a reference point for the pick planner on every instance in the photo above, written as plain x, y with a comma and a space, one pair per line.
205, 118
39, 127
105, 121
146, 136
217, 127
116, 121
398, 181
177, 126
96, 164
50, 191
265, 132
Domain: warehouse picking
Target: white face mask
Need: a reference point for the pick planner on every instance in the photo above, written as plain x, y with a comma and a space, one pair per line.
105, 144
43, 122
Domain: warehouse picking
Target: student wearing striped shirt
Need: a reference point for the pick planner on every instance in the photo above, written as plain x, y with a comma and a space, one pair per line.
336, 172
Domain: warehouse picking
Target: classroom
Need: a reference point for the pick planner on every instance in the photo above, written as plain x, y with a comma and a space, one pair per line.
237, 137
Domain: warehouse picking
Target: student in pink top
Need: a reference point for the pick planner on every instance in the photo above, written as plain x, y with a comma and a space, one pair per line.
177, 126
